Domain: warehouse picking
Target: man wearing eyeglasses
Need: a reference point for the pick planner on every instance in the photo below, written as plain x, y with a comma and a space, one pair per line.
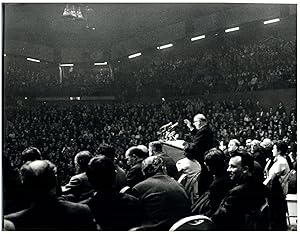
203, 137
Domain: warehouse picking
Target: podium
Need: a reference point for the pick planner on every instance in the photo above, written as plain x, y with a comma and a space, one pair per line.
174, 149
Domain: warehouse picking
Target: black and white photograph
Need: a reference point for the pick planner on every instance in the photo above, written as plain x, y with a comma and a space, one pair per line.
149, 116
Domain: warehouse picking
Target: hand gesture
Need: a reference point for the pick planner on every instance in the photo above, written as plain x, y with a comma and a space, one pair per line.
187, 122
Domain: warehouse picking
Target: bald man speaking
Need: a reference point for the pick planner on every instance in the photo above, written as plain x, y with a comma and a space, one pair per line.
203, 137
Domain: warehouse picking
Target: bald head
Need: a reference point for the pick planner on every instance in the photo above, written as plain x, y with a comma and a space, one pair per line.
39, 176
153, 165
134, 154
199, 121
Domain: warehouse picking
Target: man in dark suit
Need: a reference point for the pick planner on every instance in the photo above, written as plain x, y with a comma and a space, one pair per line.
155, 149
30, 154
113, 211
164, 201
110, 152
79, 188
134, 157
241, 209
203, 137
47, 212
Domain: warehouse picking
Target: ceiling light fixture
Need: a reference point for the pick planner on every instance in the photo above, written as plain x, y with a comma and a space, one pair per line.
232, 29
33, 60
164, 46
66, 65
73, 11
198, 38
99, 64
134, 55
272, 21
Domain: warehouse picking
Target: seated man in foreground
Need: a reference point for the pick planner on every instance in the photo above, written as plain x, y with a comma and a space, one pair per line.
241, 209
163, 199
47, 212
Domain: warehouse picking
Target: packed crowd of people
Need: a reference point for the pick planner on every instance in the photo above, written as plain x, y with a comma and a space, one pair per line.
238, 180
99, 166
22, 79
256, 65
247, 67
60, 131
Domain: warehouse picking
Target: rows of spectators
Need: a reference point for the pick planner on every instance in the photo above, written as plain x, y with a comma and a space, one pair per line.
261, 65
100, 78
239, 187
60, 131
266, 64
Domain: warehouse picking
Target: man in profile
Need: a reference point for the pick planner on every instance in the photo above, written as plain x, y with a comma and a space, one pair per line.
79, 188
134, 156
203, 137
47, 212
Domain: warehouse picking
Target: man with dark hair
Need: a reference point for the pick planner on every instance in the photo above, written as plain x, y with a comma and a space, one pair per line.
47, 212
30, 154
113, 211
203, 139
110, 152
241, 207
162, 198
258, 153
209, 202
134, 157
79, 188
155, 149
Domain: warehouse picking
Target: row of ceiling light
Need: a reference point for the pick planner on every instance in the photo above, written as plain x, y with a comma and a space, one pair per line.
158, 47
201, 37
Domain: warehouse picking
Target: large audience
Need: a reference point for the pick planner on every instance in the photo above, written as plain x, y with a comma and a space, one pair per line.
225, 68
60, 131
257, 65
108, 141
99, 166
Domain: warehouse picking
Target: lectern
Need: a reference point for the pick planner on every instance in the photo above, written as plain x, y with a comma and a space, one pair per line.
174, 149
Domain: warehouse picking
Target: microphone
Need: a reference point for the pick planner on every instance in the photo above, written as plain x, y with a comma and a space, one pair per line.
173, 126
166, 125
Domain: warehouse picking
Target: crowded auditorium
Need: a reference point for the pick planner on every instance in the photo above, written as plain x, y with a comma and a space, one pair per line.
149, 117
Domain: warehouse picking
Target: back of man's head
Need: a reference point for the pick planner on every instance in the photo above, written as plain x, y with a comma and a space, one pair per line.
81, 161
144, 149
101, 172
107, 150
39, 177
30, 154
155, 147
153, 165
215, 161
135, 151
282, 146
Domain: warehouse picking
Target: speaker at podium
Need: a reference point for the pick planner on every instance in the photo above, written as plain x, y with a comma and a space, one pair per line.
174, 149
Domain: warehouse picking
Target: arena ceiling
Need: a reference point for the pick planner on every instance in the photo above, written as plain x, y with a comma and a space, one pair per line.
42, 23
